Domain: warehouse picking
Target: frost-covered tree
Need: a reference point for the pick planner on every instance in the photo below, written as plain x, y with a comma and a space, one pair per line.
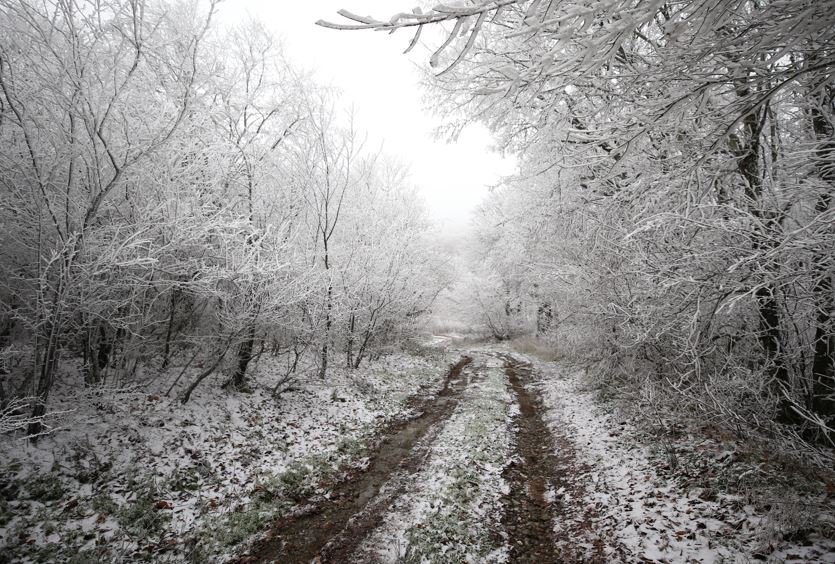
689, 147
174, 191
260, 104
323, 168
75, 82
385, 267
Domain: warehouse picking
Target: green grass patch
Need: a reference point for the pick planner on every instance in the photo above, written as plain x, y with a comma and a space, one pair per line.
46, 487
141, 517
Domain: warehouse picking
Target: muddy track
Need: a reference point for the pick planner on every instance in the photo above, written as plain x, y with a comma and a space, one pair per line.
332, 529
547, 459
527, 514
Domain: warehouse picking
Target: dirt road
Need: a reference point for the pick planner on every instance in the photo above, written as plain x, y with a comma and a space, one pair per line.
513, 462
386, 501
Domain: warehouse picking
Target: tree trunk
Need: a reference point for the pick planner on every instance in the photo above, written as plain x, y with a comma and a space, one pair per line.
47, 365
104, 351
97, 351
823, 383
89, 368
361, 352
244, 357
823, 365
747, 151
323, 368
544, 319
349, 345
169, 331
47, 376
205, 374
366, 338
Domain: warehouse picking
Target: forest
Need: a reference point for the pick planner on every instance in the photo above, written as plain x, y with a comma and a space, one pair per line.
163, 194
671, 219
219, 302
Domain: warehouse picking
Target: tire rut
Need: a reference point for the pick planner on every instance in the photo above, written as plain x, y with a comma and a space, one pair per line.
527, 514
330, 530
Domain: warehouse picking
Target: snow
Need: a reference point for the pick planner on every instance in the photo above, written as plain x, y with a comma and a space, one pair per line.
641, 513
125, 453
135, 475
451, 508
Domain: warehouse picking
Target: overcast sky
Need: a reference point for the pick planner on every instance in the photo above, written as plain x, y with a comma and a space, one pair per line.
383, 85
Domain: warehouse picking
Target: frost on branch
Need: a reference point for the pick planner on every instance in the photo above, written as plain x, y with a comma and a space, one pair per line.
468, 22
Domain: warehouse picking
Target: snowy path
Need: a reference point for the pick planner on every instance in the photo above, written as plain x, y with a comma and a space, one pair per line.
465, 481
514, 462
331, 527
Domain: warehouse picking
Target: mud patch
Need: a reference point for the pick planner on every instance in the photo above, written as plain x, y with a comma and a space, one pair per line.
546, 517
527, 514
332, 528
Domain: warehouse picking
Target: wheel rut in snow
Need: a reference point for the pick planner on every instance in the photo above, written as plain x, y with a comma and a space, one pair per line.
332, 529
546, 458
527, 513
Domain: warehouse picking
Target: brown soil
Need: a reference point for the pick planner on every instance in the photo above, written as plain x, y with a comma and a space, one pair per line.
547, 459
527, 515
332, 529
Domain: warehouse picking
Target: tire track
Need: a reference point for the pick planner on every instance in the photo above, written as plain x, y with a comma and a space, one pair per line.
331, 530
527, 514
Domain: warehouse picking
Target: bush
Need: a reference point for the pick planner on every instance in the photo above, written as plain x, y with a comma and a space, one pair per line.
294, 481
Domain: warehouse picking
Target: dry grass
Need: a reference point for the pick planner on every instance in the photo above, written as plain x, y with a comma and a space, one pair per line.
538, 348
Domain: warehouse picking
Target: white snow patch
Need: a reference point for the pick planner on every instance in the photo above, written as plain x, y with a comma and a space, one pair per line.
198, 462
639, 514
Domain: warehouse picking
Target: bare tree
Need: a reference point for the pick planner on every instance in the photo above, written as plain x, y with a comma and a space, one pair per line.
324, 169
690, 145
69, 83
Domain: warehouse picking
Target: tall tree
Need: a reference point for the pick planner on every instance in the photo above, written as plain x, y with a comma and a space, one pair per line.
692, 141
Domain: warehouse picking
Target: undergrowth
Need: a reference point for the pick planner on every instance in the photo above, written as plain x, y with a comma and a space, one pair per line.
532, 346
699, 441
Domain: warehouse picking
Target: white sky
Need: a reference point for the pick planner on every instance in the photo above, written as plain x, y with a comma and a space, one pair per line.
383, 86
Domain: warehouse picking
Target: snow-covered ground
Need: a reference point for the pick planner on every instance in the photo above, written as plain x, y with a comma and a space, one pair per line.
451, 510
636, 501
136, 475
141, 477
